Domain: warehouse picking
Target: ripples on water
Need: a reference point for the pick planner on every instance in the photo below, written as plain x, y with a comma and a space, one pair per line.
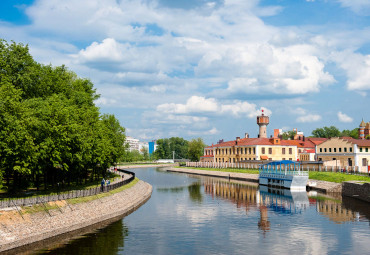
201, 215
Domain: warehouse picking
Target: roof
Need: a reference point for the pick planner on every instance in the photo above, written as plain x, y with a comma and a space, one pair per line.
309, 151
256, 141
285, 162
362, 124
264, 157
317, 140
359, 142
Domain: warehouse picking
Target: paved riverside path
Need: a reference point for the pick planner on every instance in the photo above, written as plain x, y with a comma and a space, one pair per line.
17, 230
321, 186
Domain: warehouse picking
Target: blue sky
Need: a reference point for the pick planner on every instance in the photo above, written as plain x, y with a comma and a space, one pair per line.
205, 68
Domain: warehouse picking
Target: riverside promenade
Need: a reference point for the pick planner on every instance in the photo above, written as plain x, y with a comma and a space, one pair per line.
27, 230
322, 186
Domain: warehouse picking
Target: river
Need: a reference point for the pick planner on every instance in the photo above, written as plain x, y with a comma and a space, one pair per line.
202, 215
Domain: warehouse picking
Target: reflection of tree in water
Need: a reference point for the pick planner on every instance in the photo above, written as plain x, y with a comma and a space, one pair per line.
195, 193
104, 241
171, 190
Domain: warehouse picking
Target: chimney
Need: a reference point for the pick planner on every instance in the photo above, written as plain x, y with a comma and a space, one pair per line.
246, 135
276, 133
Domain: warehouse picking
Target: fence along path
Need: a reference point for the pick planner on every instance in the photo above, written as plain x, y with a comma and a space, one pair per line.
28, 201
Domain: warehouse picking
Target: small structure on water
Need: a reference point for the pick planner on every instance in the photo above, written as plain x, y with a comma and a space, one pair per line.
283, 174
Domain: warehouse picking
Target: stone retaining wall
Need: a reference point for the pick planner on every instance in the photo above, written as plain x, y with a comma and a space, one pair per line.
356, 189
17, 231
321, 186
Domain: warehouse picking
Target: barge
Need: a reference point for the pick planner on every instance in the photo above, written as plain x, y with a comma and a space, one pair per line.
283, 174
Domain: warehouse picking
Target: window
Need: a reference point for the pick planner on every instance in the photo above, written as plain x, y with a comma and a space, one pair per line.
335, 149
250, 150
283, 150
350, 149
367, 149
270, 150
290, 158
222, 160
360, 149
329, 149
237, 151
345, 149
263, 150
324, 149
283, 158
230, 151
223, 151
254, 150
233, 160
340, 149
320, 149
245, 150
216, 159
290, 151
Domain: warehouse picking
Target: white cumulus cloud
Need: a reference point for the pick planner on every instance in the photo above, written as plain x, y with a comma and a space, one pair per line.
344, 117
309, 118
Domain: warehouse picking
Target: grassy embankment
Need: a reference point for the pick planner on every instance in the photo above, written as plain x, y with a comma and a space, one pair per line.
321, 176
53, 205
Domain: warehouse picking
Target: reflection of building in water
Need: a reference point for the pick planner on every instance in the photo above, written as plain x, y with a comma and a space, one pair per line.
264, 223
241, 195
336, 211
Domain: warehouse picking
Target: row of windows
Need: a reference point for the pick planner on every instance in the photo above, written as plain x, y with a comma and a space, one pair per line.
366, 149
230, 151
270, 150
335, 149
232, 160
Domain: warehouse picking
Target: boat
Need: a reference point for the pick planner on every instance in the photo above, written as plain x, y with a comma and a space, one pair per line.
283, 174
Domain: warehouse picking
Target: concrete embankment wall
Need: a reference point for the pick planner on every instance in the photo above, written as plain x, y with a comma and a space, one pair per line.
357, 190
17, 231
321, 186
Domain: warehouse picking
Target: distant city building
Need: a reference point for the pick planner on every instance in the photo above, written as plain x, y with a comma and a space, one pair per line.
152, 147
136, 145
133, 143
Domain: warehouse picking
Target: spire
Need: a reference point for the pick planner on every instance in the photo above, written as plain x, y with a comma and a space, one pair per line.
362, 123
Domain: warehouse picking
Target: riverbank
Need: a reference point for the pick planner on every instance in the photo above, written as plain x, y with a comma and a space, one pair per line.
146, 165
322, 186
18, 230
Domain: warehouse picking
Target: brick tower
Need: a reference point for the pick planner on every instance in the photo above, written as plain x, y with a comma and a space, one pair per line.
361, 130
262, 121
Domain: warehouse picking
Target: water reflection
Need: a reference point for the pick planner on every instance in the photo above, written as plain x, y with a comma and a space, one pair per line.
107, 241
201, 215
195, 193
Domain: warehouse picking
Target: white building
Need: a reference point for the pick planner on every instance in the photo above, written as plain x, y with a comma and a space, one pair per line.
133, 143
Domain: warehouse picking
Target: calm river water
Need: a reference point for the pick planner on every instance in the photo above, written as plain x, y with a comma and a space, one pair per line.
200, 215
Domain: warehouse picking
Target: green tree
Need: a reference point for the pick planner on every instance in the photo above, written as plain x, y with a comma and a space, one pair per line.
288, 135
196, 149
326, 132
166, 147
350, 133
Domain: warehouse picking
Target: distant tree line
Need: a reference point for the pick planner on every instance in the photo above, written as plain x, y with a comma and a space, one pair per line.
332, 131
50, 129
183, 149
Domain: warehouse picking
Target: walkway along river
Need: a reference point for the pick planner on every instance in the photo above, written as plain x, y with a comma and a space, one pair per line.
190, 214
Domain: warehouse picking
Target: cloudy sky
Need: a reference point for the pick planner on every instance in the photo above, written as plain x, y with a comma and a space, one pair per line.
206, 68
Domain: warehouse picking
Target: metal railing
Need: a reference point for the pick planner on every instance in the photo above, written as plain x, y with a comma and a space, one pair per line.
28, 201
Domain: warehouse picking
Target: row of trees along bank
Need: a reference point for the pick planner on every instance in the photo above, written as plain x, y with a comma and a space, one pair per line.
183, 149
50, 129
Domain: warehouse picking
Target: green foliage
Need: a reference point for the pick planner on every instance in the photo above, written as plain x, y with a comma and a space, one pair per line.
196, 149
327, 132
50, 128
166, 146
288, 135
